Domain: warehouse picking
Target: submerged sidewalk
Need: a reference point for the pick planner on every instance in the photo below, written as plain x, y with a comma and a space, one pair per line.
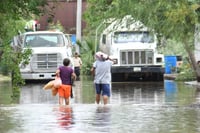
194, 83
173, 77
170, 76
4, 78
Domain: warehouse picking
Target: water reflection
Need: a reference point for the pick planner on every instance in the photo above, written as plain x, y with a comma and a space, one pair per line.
33, 93
5, 93
102, 118
64, 116
137, 93
153, 107
170, 91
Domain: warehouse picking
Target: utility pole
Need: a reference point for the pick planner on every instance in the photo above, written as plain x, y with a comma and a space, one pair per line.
78, 23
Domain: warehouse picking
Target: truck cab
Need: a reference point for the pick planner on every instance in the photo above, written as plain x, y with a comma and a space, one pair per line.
49, 48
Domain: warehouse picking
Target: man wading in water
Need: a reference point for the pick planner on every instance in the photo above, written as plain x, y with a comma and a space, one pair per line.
101, 71
77, 65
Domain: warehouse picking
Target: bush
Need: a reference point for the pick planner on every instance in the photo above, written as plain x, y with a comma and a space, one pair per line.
186, 73
87, 54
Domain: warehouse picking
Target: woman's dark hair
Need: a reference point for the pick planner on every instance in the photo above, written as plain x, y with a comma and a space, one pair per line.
66, 62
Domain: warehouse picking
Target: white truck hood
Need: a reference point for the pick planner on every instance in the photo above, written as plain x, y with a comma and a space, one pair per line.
43, 50
124, 46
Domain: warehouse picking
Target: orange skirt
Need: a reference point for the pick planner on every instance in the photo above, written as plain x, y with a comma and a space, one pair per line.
64, 91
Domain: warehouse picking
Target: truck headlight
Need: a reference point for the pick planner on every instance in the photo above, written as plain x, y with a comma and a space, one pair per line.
115, 61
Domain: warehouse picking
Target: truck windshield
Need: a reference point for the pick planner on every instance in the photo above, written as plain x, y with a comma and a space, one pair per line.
44, 40
133, 36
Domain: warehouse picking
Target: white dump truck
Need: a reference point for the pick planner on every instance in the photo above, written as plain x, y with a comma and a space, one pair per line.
134, 48
49, 48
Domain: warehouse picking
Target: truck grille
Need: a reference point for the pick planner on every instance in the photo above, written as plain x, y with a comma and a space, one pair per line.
46, 62
136, 57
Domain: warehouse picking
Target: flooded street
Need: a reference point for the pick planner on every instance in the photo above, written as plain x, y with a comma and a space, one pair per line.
135, 107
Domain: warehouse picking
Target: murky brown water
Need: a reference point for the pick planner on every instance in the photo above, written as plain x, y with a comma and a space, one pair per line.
137, 107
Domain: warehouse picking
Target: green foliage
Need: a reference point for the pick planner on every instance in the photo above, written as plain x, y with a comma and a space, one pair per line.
172, 47
11, 59
172, 19
21, 8
96, 12
56, 26
186, 74
87, 49
12, 16
10, 29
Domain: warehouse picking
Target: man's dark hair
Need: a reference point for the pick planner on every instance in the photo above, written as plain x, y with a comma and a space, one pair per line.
66, 62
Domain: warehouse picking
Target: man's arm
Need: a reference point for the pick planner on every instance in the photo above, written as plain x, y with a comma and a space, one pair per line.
92, 71
114, 61
73, 76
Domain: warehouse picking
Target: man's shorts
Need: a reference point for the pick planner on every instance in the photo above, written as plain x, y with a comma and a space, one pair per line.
103, 89
64, 91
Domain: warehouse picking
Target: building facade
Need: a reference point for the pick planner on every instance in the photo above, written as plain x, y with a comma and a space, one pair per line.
64, 12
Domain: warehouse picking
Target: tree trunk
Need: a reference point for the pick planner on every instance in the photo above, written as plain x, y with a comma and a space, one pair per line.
194, 64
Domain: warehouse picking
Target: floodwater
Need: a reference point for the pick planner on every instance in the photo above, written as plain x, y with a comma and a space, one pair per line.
137, 107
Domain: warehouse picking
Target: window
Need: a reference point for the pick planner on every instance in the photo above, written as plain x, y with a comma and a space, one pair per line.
104, 39
133, 36
44, 40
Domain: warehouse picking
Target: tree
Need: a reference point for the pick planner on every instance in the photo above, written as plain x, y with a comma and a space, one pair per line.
171, 19
12, 16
